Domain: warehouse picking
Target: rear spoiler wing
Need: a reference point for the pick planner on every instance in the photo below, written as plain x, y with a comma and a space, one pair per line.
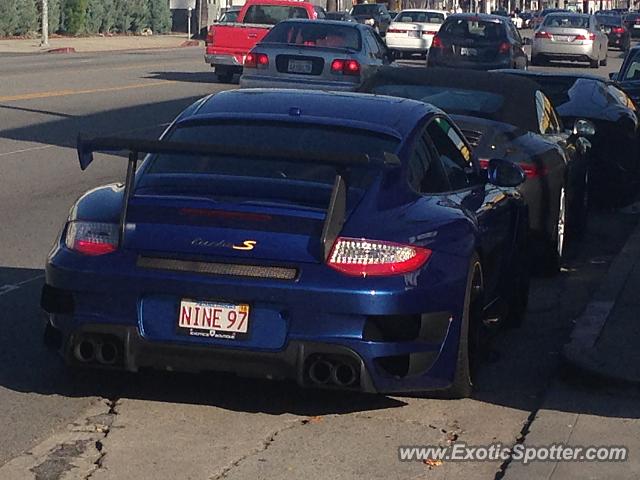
336, 211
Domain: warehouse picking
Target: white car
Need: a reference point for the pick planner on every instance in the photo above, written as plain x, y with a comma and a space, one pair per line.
412, 31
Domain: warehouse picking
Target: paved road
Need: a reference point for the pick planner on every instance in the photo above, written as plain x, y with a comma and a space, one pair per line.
213, 426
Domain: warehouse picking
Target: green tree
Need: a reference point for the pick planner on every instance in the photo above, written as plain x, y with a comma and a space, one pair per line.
74, 16
139, 14
55, 12
8, 17
27, 20
160, 16
95, 16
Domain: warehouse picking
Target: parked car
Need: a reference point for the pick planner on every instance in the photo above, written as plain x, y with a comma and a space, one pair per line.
570, 36
227, 45
477, 41
628, 77
510, 118
617, 33
632, 22
230, 15
315, 54
246, 244
375, 15
412, 30
343, 16
612, 130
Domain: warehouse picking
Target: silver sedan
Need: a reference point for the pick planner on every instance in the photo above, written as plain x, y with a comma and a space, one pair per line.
570, 36
315, 54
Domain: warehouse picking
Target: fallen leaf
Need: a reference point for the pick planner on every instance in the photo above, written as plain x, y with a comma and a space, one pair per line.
432, 463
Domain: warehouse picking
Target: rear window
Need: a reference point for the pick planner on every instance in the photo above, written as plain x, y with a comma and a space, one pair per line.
286, 136
420, 17
366, 9
609, 20
567, 21
451, 100
473, 29
315, 35
272, 14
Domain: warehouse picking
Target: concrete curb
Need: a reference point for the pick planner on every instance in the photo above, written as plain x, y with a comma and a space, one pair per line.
581, 350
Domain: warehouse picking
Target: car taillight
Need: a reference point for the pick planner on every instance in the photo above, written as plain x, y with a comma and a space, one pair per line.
92, 238
436, 42
617, 30
395, 30
345, 66
533, 171
361, 257
428, 32
504, 47
484, 163
255, 60
590, 36
542, 34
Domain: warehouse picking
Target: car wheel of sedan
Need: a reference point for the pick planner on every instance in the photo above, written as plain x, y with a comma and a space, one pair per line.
603, 63
469, 345
224, 76
594, 63
537, 61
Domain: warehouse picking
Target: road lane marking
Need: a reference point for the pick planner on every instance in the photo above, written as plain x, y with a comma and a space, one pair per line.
4, 289
65, 93
24, 150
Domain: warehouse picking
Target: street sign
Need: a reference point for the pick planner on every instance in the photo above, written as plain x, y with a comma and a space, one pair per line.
182, 4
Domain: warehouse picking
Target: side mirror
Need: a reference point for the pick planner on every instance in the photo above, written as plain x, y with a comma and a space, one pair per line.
584, 128
504, 173
613, 76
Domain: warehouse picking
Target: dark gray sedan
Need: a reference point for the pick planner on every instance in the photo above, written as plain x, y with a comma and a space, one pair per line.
315, 54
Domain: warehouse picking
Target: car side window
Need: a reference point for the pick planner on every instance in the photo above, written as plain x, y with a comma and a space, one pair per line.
319, 13
424, 172
382, 47
633, 69
374, 49
452, 151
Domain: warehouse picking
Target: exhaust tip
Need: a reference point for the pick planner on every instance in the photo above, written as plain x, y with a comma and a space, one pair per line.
85, 350
107, 353
344, 375
320, 371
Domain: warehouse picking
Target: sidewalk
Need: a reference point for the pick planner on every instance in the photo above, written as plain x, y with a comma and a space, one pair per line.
96, 44
606, 336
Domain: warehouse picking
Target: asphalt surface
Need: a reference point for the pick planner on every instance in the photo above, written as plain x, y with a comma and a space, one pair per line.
214, 426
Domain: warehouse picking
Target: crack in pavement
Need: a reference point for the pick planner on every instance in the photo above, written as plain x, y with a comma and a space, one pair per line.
265, 446
99, 444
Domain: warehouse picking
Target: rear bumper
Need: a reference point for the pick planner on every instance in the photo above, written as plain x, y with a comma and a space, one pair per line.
227, 60
260, 81
406, 44
377, 333
439, 61
562, 51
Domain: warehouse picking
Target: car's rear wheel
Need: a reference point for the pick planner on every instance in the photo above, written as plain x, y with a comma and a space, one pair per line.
594, 63
224, 75
471, 327
603, 63
517, 295
537, 61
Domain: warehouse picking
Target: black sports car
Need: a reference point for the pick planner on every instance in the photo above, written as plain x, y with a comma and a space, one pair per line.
615, 154
510, 118
616, 30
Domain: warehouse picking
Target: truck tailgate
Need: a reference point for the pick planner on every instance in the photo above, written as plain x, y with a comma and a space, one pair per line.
235, 39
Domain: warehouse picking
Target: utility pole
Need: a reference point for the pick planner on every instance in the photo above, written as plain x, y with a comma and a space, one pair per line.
45, 24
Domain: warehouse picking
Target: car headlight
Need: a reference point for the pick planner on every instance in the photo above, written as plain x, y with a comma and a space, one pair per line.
584, 128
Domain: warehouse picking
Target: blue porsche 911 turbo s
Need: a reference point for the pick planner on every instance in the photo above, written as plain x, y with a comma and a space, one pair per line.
347, 241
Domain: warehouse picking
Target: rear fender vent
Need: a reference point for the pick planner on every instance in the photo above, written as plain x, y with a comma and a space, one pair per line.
218, 269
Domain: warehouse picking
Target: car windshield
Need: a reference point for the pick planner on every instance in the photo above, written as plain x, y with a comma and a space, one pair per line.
277, 135
451, 100
229, 16
365, 9
315, 35
557, 89
473, 29
420, 17
568, 21
272, 14
335, 16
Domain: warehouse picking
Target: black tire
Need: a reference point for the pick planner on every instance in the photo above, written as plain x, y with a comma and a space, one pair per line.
536, 61
224, 75
603, 63
594, 63
580, 211
470, 334
517, 290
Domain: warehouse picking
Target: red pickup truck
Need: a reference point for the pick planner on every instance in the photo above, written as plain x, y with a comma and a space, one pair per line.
229, 43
